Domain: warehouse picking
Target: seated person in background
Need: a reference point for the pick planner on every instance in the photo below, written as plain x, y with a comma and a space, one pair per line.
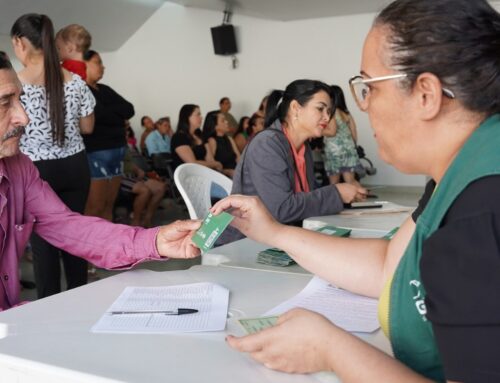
436, 279
72, 42
277, 165
149, 126
149, 192
187, 143
340, 154
158, 141
131, 140
30, 205
255, 125
262, 107
222, 146
225, 107
241, 136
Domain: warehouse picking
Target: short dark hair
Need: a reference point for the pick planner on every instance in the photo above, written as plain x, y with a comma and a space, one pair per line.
221, 101
456, 40
143, 118
5, 61
89, 54
302, 91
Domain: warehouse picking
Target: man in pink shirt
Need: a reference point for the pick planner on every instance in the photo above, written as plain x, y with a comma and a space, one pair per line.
28, 204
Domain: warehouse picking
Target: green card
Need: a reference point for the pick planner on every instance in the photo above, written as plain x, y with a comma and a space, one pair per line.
252, 325
211, 229
335, 231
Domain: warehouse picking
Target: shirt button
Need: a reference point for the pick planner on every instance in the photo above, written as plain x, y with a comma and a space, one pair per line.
6, 277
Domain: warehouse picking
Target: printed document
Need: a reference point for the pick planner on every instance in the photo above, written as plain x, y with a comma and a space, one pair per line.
352, 312
131, 312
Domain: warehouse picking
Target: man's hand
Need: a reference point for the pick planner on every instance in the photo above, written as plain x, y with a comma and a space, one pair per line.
174, 240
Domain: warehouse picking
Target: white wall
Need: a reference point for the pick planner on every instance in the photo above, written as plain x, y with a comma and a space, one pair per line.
170, 62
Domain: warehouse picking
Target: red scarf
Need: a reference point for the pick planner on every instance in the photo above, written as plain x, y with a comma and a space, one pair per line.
77, 67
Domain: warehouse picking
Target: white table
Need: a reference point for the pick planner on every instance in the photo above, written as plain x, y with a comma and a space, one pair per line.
49, 341
243, 254
387, 218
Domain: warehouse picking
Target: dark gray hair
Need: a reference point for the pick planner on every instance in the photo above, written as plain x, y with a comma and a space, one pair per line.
456, 40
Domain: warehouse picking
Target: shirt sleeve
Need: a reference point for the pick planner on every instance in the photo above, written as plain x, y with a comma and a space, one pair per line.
461, 273
100, 242
266, 163
87, 100
179, 139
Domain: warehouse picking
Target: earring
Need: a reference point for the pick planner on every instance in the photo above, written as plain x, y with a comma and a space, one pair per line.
296, 117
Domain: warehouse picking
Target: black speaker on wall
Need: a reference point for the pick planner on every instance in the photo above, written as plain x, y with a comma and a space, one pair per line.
224, 40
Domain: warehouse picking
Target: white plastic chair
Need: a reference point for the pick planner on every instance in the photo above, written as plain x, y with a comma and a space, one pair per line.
194, 183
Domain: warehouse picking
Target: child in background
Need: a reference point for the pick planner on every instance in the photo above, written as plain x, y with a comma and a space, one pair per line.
72, 42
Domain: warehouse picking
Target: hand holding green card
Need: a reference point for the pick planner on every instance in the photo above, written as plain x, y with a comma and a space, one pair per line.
211, 229
253, 325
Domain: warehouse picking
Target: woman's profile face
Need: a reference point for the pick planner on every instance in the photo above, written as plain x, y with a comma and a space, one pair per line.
391, 109
245, 124
222, 124
313, 117
195, 119
259, 125
95, 68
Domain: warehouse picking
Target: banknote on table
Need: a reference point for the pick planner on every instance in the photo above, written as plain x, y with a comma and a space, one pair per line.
277, 257
253, 325
391, 233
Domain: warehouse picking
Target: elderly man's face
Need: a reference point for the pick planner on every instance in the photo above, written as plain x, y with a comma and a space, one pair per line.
13, 118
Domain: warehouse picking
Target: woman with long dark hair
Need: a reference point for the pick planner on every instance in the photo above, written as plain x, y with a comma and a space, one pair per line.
60, 108
220, 144
241, 135
187, 142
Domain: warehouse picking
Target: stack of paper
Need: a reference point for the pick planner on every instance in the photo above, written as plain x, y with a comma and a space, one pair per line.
277, 257
144, 309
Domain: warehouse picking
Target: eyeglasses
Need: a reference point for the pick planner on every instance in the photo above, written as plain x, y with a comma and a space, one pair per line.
361, 90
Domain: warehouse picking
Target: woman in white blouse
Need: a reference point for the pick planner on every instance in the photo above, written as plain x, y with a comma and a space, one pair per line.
60, 107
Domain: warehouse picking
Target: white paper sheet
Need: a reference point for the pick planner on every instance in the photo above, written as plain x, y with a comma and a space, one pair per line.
352, 312
211, 301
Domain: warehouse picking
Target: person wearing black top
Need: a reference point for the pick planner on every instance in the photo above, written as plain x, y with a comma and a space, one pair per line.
437, 278
222, 146
107, 144
187, 144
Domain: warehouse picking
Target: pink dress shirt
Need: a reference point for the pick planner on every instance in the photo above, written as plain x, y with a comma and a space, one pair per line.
28, 204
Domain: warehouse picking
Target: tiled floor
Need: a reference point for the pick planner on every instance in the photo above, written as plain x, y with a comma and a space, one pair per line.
170, 211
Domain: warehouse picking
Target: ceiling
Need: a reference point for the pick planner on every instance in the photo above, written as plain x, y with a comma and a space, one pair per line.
288, 10
113, 22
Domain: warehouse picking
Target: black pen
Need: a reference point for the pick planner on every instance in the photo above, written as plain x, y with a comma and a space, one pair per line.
164, 312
